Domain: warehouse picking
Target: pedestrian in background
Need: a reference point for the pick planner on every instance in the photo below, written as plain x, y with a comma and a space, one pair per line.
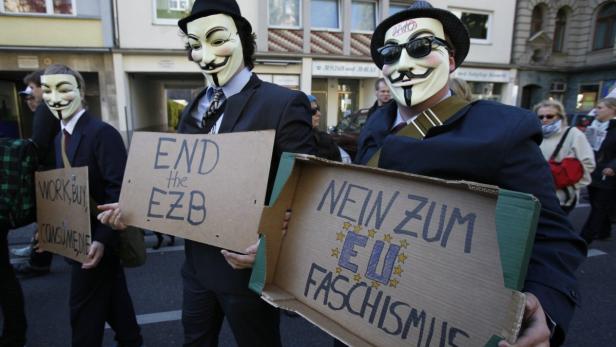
555, 129
602, 190
44, 128
326, 147
461, 88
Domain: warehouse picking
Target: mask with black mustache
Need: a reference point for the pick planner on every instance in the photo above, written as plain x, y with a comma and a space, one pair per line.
413, 80
62, 95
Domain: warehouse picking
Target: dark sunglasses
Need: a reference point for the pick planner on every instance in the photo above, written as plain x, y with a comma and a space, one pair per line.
417, 48
547, 116
315, 110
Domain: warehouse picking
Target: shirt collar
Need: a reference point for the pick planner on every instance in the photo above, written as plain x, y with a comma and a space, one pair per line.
235, 84
70, 125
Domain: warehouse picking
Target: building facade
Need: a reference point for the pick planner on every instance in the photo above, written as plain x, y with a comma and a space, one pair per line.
35, 34
141, 78
564, 49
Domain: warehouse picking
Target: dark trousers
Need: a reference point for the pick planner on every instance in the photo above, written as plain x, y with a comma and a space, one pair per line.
11, 300
253, 321
100, 295
42, 259
598, 224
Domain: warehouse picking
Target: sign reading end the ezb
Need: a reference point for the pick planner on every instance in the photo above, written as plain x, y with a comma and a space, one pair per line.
205, 188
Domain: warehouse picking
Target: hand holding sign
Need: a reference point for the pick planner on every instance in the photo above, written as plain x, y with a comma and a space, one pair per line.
536, 332
95, 254
111, 216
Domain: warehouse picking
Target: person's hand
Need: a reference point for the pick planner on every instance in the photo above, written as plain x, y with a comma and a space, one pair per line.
608, 172
111, 216
535, 331
242, 261
95, 254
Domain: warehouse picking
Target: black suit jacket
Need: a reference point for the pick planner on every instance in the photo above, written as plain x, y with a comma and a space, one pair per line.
259, 106
45, 127
496, 144
98, 146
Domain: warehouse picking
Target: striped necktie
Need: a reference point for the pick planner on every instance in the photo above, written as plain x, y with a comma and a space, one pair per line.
214, 111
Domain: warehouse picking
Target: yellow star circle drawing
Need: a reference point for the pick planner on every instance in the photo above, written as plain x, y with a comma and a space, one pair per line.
393, 283
387, 238
338, 270
346, 225
371, 233
357, 228
375, 284
339, 236
398, 270
357, 277
335, 252
404, 243
402, 257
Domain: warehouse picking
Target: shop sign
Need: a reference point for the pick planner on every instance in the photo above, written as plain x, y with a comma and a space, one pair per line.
483, 75
344, 69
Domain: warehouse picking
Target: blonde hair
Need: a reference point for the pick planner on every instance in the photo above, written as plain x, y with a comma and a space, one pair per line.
560, 109
609, 102
461, 88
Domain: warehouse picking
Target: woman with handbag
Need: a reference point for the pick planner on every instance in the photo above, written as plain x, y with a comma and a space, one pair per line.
568, 152
602, 190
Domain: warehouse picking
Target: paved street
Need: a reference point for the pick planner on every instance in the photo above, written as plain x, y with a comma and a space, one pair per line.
156, 292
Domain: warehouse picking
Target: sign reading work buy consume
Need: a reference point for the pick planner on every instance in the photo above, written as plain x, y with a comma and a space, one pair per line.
389, 259
63, 212
205, 188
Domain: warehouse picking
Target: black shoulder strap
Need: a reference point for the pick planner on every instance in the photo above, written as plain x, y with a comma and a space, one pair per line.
560, 144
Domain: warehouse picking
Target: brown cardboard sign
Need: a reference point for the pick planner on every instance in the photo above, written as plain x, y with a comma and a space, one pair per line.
382, 258
63, 212
205, 188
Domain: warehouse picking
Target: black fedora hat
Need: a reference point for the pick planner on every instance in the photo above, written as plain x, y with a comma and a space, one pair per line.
454, 29
203, 8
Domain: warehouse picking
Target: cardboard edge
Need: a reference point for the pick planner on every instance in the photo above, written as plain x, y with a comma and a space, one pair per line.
516, 314
515, 263
270, 224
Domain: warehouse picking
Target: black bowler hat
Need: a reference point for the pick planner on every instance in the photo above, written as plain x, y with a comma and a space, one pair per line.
454, 29
204, 8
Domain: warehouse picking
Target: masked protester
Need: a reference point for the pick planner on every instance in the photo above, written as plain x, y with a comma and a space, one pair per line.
428, 131
220, 41
98, 292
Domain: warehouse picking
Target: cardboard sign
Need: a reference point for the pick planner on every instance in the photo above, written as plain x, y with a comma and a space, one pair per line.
383, 258
63, 212
205, 188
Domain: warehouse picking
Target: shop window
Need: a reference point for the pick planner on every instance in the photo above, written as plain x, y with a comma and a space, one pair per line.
559, 30
47, 7
605, 27
325, 14
395, 8
285, 13
363, 16
587, 97
169, 11
477, 23
536, 21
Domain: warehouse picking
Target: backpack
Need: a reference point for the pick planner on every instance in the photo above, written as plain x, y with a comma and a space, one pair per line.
18, 162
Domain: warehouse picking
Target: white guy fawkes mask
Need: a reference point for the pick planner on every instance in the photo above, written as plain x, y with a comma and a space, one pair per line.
216, 47
61, 94
414, 80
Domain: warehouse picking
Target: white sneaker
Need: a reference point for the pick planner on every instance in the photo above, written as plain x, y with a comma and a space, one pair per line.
22, 252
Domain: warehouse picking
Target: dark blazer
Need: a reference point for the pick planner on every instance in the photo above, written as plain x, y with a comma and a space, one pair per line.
491, 143
259, 106
45, 127
100, 147
606, 158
